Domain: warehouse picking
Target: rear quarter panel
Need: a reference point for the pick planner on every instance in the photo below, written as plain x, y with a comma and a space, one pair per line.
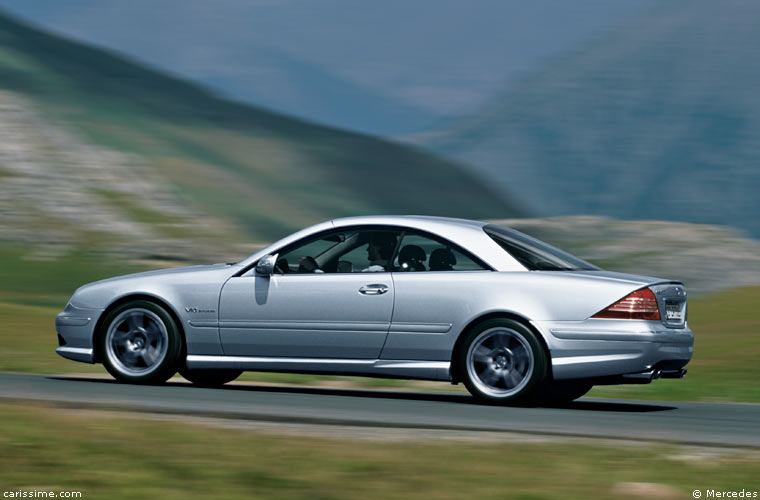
433, 308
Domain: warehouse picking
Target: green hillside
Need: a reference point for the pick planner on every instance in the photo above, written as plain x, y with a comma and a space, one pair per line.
86, 132
658, 118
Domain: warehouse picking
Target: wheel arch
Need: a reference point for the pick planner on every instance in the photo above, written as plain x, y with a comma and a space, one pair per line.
455, 369
98, 356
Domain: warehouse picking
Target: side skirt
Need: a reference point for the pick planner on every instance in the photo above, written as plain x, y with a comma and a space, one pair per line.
392, 368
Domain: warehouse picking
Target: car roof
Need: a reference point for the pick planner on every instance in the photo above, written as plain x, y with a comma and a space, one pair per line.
468, 234
418, 221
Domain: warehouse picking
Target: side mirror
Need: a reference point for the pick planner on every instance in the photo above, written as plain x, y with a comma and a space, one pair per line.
266, 265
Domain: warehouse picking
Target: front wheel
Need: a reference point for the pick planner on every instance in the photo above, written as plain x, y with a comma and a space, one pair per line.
141, 343
502, 361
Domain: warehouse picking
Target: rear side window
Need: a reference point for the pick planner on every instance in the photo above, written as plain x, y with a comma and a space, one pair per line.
422, 253
534, 254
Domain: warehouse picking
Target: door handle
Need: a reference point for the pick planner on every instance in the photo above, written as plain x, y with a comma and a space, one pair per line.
376, 289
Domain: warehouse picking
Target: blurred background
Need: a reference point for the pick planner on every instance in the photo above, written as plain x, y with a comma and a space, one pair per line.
144, 134
152, 134
155, 134
133, 132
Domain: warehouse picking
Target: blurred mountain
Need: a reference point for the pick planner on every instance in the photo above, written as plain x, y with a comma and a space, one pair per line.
97, 150
287, 84
386, 68
659, 118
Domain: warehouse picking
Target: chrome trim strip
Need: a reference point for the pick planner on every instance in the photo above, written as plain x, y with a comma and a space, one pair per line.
439, 365
421, 328
342, 326
669, 336
412, 328
593, 359
418, 369
194, 358
76, 353
434, 328
203, 324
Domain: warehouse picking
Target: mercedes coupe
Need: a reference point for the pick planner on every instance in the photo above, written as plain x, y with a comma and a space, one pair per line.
512, 318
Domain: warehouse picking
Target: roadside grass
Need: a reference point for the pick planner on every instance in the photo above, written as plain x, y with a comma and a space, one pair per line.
115, 455
29, 341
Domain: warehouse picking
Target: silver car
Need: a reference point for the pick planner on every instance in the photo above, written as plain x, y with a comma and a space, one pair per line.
511, 317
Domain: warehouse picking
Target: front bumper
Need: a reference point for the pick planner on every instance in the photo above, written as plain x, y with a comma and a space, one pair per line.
75, 327
611, 347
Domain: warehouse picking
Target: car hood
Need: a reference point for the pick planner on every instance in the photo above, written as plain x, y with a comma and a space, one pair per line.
99, 293
162, 272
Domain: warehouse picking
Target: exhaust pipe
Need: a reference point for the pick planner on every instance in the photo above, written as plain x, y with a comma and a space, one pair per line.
641, 377
673, 373
644, 377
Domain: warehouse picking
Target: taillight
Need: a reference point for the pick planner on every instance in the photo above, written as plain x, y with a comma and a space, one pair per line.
641, 304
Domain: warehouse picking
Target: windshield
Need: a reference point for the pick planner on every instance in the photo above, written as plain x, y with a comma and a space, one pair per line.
534, 254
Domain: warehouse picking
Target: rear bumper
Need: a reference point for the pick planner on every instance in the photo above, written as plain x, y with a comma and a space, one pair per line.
75, 327
609, 347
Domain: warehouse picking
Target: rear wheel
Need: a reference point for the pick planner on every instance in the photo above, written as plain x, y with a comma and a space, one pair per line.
502, 361
141, 343
209, 378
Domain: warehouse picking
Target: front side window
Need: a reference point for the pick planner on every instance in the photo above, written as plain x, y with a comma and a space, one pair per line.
534, 254
349, 251
374, 249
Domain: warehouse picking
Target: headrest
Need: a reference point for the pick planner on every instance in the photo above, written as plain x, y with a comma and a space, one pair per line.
442, 259
412, 253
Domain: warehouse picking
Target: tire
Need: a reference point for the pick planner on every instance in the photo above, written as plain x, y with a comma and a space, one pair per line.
559, 392
140, 343
502, 362
209, 378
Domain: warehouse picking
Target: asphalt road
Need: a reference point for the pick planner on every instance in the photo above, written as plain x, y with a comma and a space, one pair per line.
711, 424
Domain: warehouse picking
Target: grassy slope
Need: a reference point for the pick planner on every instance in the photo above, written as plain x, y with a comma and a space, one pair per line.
267, 172
28, 281
112, 456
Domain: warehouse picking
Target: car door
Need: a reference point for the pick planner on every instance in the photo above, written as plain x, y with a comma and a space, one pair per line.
320, 303
436, 284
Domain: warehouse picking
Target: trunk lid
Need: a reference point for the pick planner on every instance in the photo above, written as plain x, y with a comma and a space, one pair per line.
671, 295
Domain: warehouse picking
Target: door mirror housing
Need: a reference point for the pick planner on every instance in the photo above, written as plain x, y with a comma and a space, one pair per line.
265, 266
